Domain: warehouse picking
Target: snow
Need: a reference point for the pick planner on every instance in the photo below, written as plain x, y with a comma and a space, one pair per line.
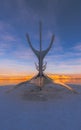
61, 112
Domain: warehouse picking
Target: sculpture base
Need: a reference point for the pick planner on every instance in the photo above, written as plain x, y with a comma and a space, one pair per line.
41, 81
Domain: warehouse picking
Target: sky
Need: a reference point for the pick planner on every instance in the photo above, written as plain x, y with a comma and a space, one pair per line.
59, 17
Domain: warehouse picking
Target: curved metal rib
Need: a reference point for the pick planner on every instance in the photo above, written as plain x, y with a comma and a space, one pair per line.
50, 45
34, 50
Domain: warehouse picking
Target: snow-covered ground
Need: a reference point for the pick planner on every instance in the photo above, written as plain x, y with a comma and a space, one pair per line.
60, 111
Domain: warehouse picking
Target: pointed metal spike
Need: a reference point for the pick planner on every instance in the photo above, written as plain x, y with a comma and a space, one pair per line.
66, 86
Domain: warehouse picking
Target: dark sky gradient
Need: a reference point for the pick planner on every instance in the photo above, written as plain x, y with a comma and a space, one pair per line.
61, 17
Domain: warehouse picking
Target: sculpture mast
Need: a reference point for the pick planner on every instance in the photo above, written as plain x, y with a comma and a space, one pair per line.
40, 60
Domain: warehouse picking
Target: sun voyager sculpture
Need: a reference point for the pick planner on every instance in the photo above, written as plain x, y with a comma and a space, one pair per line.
41, 79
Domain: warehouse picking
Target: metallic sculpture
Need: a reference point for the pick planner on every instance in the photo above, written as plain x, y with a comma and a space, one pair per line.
40, 55
41, 79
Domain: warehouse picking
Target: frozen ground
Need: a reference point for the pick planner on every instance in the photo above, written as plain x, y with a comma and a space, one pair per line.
59, 109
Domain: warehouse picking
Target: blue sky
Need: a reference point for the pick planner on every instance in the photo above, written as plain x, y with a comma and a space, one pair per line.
59, 17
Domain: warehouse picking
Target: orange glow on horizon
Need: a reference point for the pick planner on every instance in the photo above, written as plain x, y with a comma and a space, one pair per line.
12, 80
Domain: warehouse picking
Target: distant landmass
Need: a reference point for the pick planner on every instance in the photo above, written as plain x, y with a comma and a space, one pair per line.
65, 78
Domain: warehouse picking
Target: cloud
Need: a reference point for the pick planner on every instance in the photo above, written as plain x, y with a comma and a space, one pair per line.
26, 54
77, 47
8, 37
58, 53
57, 44
26, 11
5, 47
5, 28
14, 67
7, 43
12, 45
6, 33
71, 59
14, 50
64, 62
24, 15
73, 66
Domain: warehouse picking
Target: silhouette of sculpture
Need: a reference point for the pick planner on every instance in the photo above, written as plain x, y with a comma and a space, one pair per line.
41, 79
40, 55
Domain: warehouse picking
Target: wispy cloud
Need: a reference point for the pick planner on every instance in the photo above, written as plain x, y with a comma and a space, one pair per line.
77, 47
57, 44
26, 54
27, 11
8, 38
8, 43
13, 67
13, 46
73, 66
64, 62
